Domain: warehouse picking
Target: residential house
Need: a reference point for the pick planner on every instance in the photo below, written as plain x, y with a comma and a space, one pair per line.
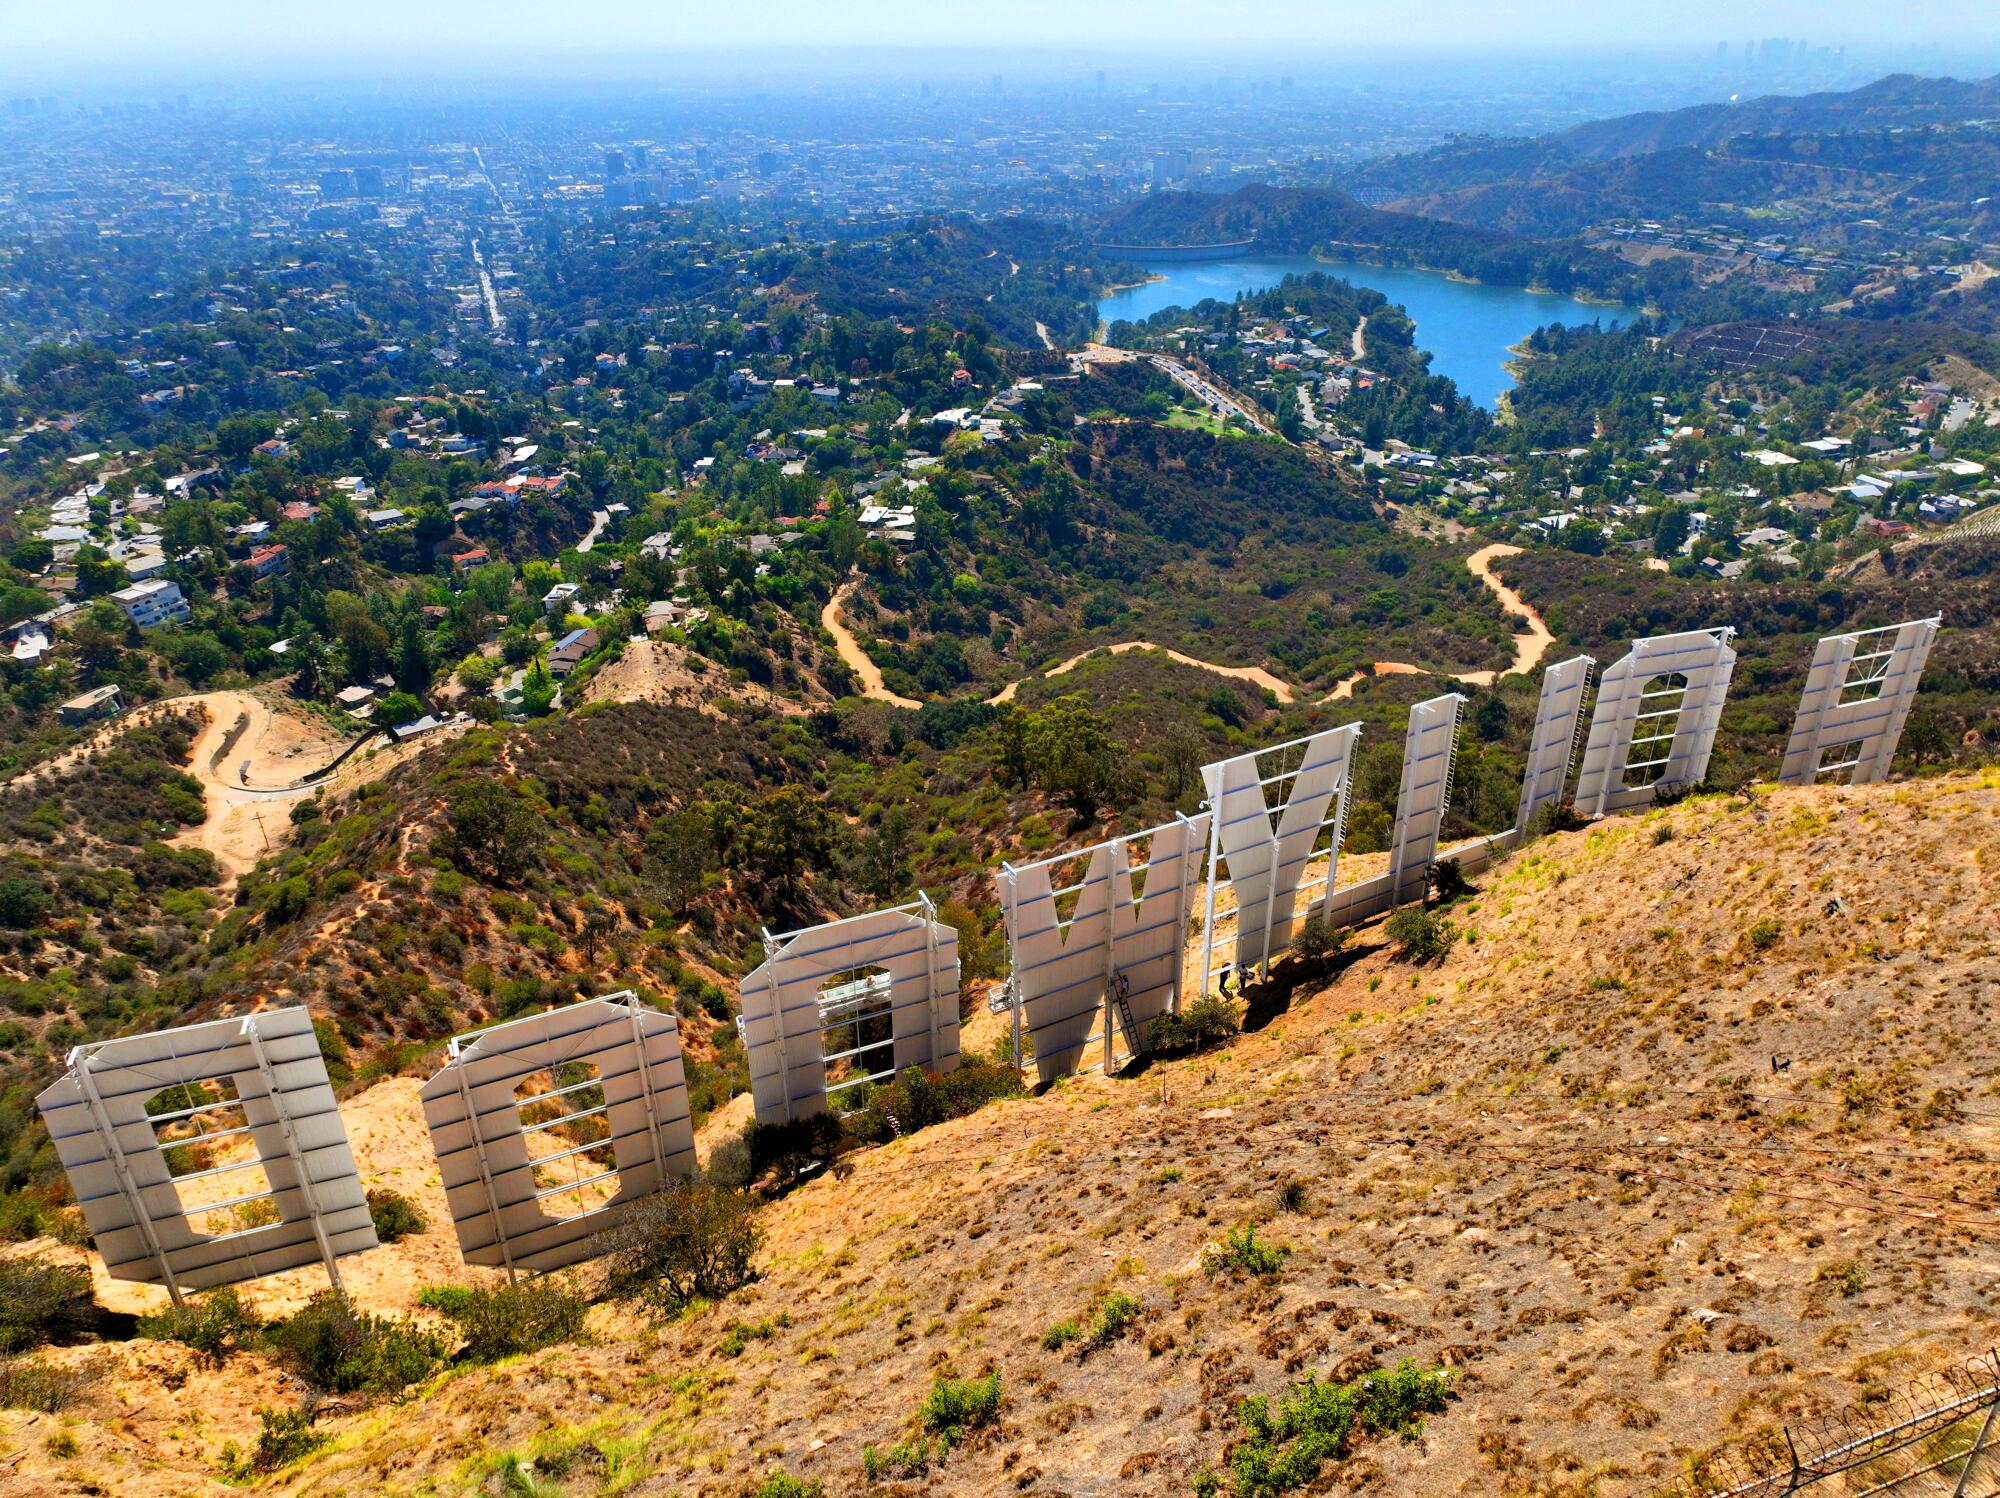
568, 652
99, 702
269, 561
154, 602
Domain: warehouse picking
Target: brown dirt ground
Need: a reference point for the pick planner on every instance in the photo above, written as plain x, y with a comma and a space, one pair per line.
657, 671
1559, 1162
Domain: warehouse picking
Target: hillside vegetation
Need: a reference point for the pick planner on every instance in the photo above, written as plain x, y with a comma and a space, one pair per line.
1689, 1134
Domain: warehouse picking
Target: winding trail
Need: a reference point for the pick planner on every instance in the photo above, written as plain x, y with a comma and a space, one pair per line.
1282, 690
853, 655
1360, 338
1529, 648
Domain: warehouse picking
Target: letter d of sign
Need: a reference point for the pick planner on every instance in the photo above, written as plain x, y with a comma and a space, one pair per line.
1858, 693
1654, 724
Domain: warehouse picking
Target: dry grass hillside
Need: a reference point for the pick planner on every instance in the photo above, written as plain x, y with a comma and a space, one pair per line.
1559, 1162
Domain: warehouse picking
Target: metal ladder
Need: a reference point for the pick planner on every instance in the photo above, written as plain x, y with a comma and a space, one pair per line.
1123, 1008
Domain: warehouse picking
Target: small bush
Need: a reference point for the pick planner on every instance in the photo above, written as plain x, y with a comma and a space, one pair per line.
1315, 1423
781, 1485
285, 1436
214, 1325
1764, 935
793, 1148
1059, 1336
37, 1384
908, 1459
42, 1301
1241, 1253
509, 1320
340, 1350
1446, 881
956, 1406
1293, 1196
1558, 816
395, 1216
1115, 1312
1203, 1023
690, 1240
917, 1099
1318, 939
742, 1333
1420, 935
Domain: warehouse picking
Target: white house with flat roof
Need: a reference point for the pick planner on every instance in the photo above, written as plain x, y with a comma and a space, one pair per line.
156, 601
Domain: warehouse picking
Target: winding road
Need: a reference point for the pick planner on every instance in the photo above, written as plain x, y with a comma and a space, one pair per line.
853, 655
1529, 648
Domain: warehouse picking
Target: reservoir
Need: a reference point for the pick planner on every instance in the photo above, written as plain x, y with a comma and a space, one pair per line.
1466, 329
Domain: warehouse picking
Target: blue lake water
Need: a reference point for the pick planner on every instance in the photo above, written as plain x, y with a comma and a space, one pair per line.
1466, 329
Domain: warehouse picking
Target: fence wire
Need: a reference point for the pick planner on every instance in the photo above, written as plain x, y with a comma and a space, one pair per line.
1934, 1436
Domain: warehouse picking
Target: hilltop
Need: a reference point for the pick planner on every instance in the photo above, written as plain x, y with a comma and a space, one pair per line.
1559, 1163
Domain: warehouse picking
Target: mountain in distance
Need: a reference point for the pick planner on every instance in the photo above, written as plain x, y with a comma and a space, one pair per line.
1900, 100
1899, 134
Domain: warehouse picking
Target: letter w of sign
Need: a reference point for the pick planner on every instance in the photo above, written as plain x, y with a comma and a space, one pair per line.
1266, 850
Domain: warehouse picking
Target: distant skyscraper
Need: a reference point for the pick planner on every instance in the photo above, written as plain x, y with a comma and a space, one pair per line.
336, 182
369, 182
704, 158
638, 155
767, 163
614, 163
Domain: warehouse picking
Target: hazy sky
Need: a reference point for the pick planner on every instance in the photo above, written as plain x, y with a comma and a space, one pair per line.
257, 32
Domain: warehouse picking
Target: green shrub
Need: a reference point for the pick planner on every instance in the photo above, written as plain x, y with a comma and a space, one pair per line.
781, 1485
1061, 1335
955, 1406
22, 1216
1114, 1313
1203, 1023
690, 1240
1420, 935
42, 1301
509, 1320
285, 1436
1315, 1422
1241, 1253
214, 1324
909, 1459
742, 1333
1317, 939
794, 1147
1558, 816
1764, 935
37, 1384
340, 1350
917, 1099
395, 1216
1446, 881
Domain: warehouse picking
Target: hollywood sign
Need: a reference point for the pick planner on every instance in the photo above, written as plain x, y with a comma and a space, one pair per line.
545, 1126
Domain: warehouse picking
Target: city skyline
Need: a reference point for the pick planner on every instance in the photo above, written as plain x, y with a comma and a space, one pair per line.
456, 36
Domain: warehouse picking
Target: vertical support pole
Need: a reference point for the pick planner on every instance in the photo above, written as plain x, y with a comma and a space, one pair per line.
1181, 895
1208, 920
1113, 864
1270, 911
457, 1064
646, 1091
930, 974
1013, 977
1978, 1450
291, 1137
101, 1121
